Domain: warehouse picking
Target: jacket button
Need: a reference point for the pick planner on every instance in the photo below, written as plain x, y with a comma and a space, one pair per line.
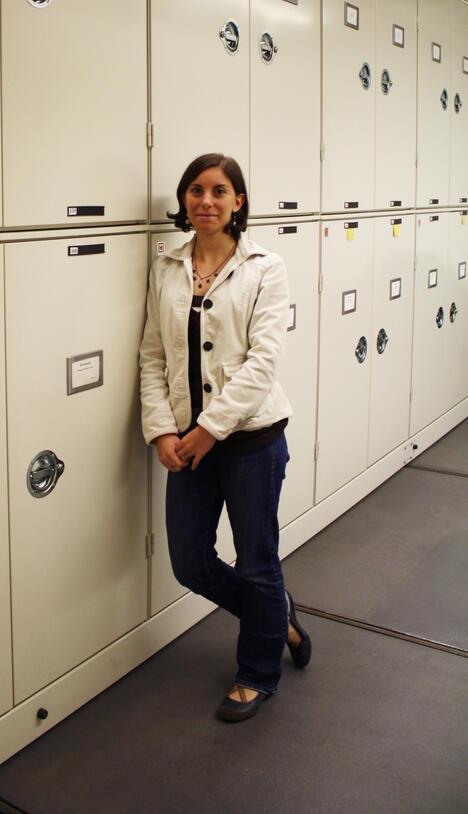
207, 388
207, 304
207, 346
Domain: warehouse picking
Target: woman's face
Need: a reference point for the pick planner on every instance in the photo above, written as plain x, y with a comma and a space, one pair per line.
210, 201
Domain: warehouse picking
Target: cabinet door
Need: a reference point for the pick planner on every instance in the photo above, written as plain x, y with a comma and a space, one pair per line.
74, 111
199, 89
78, 551
348, 100
298, 246
6, 687
431, 322
164, 587
458, 103
457, 305
344, 354
285, 107
434, 102
390, 346
395, 88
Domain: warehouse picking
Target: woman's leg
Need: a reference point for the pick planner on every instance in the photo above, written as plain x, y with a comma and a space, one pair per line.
194, 501
251, 485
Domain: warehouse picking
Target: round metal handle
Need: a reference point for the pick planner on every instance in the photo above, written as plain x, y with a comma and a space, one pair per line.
440, 317
444, 99
457, 103
386, 82
382, 339
267, 47
361, 350
453, 312
39, 3
230, 36
43, 473
365, 76
42, 714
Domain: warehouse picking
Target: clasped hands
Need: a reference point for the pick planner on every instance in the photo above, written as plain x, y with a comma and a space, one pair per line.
175, 453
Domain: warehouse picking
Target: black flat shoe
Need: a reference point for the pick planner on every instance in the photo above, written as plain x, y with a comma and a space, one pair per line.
300, 653
230, 710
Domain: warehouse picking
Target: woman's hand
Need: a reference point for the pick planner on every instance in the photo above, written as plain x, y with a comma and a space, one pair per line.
195, 445
167, 454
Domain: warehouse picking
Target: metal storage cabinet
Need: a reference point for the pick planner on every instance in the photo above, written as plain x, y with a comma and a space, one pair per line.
457, 306
285, 107
199, 89
78, 554
6, 678
348, 105
298, 245
164, 587
391, 338
434, 102
431, 361
74, 111
458, 104
344, 355
395, 88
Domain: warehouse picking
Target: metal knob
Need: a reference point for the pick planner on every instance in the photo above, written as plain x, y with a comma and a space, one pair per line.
385, 82
382, 339
457, 103
453, 312
365, 76
444, 99
42, 714
39, 3
267, 47
361, 350
440, 317
43, 473
230, 36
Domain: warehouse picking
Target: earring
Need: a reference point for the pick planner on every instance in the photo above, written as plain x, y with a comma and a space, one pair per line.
234, 219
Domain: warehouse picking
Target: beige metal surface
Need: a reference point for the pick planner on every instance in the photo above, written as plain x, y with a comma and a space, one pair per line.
459, 121
395, 122
74, 110
391, 370
348, 109
344, 383
6, 678
298, 368
285, 108
433, 137
457, 285
431, 362
199, 91
78, 555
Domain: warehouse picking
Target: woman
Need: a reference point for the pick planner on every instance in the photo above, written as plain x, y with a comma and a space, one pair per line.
217, 311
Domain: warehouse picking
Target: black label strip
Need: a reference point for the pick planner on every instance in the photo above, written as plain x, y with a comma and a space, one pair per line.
433, 217
434, 201
396, 221
395, 203
95, 248
351, 204
287, 205
287, 230
84, 211
353, 225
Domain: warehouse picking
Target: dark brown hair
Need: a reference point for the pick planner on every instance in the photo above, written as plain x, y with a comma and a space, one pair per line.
233, 172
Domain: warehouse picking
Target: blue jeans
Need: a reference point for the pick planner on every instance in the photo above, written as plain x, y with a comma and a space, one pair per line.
253, 590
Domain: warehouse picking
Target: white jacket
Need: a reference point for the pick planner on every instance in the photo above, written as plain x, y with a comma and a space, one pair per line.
243, 316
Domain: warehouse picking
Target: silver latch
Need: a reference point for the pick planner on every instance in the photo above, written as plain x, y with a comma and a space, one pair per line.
444, 99
440, 317
386, 82
267, 47
39, 3
382, 339
43, 473
361, 350
457, 103
453, 312
230, 36
365, 76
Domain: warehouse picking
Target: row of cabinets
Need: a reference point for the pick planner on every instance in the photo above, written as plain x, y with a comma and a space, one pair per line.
328, 106
368, 362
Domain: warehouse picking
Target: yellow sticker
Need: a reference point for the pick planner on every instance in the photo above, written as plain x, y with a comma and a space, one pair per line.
463, 219
396, 230
350, 234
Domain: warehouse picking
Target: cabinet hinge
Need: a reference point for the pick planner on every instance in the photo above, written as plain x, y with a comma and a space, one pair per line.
418, 23
316, 451
149, 545
150, 135
320, 283
322, 150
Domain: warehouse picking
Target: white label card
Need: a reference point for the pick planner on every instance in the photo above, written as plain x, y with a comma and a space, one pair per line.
85, 371
436, 52
351, 16
395, 288
462, 270
349, 299
432, 278
399, 36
